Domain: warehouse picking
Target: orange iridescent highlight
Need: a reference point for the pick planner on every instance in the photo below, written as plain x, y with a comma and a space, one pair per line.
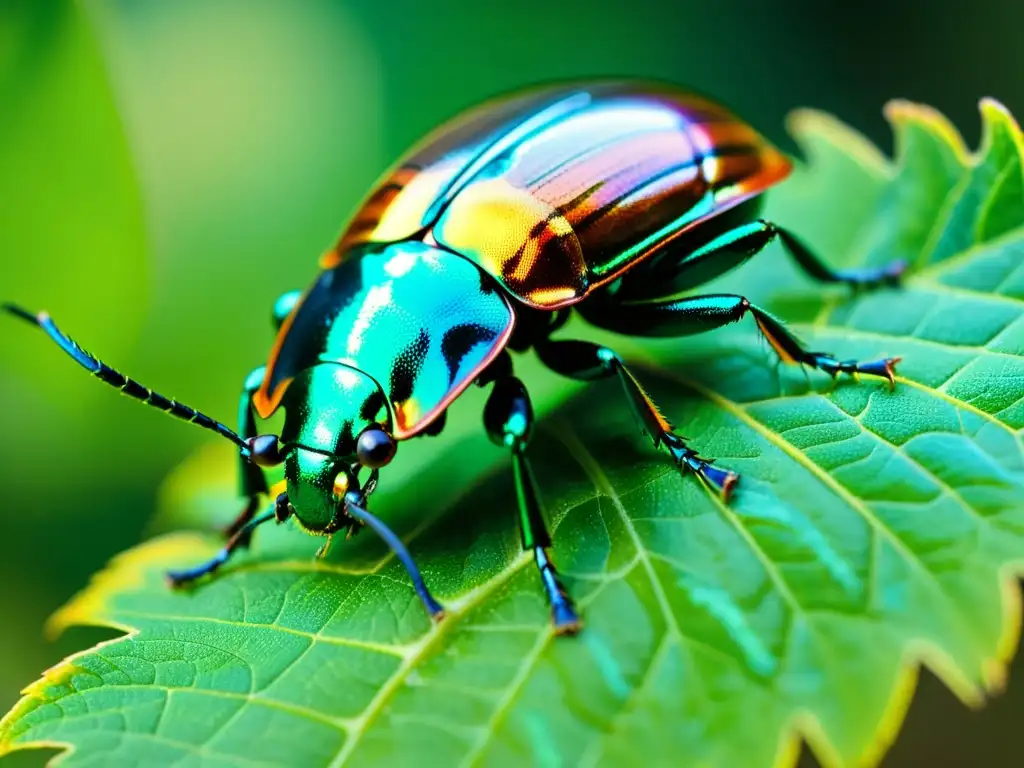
577, 202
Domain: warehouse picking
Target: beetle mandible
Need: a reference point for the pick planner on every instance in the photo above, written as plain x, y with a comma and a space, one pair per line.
613, 199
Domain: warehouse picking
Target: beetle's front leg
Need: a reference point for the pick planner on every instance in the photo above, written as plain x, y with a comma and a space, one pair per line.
585, 361
238, 540
355, 508
252, 482
508, 417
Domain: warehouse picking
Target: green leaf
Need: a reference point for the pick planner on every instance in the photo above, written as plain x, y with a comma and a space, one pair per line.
873, 531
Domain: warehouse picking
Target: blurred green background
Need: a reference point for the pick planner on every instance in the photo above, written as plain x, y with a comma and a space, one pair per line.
167, 169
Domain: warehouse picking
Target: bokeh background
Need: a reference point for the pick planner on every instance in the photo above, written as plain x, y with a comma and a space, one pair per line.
167, 169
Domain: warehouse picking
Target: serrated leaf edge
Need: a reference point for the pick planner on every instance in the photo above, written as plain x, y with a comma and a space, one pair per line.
993, 116
804, 122
917, 653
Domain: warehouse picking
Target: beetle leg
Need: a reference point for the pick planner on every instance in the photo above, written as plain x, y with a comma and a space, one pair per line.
696, 314
283, 307
863, 277
252, 503
508, 417
251, 477
587, 362
670, 275
240, 539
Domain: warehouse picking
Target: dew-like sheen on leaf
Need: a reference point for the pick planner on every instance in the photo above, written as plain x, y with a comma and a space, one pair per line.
872, 531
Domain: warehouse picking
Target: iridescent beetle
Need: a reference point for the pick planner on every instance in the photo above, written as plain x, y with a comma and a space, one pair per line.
612, 198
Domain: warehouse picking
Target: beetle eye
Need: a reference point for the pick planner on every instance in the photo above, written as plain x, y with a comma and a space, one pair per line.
375, 447
265, 451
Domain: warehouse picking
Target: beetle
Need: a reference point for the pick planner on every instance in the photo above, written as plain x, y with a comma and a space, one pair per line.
613, 199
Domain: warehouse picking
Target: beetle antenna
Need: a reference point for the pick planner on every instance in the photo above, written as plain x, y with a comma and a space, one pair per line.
355, 511
128, 386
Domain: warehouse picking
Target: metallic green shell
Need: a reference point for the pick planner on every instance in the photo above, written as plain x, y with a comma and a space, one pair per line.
422, 322
328, 405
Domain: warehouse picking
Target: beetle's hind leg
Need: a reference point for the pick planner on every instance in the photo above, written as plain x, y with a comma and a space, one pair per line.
790, 350
813, 266
681, 270
508, 417
586, 361
696, 314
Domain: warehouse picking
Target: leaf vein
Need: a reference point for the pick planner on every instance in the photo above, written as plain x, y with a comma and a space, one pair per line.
854, 502
456, 610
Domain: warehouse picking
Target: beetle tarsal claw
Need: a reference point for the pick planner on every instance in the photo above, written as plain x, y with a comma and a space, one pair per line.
890, 369
895, 271
566, 627
730, 483
722, 480
885, 368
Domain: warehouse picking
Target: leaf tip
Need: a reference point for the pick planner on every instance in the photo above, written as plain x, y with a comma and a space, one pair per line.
966, 685
810, 127
38, 693
995, 669
995, 119
805, 726
991, 106
9, 746
904, 115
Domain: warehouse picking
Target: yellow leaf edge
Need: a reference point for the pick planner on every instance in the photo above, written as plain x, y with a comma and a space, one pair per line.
127, 571
134, 569
124, 573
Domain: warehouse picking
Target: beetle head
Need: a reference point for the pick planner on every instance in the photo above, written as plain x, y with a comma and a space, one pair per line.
337, 421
